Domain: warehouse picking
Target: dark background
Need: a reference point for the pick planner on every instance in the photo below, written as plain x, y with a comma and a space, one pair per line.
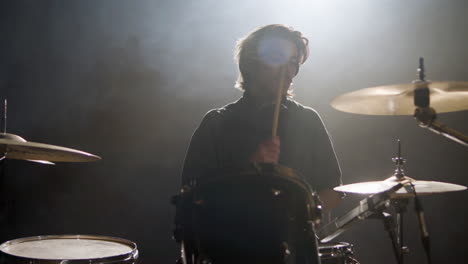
130, 80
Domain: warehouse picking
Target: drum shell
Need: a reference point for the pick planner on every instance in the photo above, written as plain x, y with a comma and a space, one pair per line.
276, 180
129, 257
237, 205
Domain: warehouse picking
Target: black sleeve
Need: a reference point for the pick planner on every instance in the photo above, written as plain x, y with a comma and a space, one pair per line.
201, 155
325, 169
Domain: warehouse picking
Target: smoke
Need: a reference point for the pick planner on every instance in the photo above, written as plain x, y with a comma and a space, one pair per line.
130, 80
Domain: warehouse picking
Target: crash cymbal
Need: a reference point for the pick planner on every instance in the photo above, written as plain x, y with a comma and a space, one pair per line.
399, 99
422, 187
15, 147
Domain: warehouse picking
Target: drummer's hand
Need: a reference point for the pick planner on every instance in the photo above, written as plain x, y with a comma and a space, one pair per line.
267, 152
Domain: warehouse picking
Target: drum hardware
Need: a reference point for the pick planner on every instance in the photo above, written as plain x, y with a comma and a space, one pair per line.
424, 233
395, 231
266, 188
371, 207
410, 186
15, 147
395, 228
367, 207
70, 249
419, 99
57, 249
399, 199
407, 99
337, 253
398, 99
422, 187
426, 115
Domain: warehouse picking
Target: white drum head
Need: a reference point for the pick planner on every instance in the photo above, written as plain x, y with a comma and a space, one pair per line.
68, 247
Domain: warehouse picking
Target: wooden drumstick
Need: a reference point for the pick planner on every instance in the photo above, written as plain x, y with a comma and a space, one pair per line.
279, 95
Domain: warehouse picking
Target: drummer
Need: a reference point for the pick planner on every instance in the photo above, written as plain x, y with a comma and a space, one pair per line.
240, 133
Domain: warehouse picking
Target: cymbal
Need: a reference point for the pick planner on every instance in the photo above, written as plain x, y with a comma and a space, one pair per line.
399, 99
422, 187
16, 147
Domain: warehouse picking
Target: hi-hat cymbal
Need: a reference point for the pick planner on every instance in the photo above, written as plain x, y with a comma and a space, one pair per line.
399, 99
15, 147
422, 187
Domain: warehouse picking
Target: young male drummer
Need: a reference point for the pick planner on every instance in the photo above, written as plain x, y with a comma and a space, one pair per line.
240, 133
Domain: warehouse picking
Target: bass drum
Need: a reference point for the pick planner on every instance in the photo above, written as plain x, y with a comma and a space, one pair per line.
260, 215
340, 253
70, 249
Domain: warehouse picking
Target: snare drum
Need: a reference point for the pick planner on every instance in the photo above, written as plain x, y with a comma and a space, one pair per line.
70, 249
340, 253
265, 213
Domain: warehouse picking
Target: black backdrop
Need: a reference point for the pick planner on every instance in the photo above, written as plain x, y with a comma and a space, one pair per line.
130, 80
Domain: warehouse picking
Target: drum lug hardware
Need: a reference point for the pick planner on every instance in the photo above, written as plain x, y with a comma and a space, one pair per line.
405, 250
276, 192
185, 189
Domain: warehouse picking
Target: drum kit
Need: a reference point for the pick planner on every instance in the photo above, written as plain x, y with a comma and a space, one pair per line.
265, 199
420, 98
386, 200
55, 249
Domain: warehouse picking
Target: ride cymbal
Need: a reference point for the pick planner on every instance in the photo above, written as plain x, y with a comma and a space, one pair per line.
422, 187
399, 99
15, 147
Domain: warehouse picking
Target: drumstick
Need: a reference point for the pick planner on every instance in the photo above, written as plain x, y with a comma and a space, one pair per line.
279, 95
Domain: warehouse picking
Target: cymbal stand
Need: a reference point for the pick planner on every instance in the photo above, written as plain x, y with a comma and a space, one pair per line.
400, 208
426, 115
400, 204
424, 233
389, 225
394, 228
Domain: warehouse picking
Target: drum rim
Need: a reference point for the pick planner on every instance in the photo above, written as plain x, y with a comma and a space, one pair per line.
334, 245
125, 256
333, 250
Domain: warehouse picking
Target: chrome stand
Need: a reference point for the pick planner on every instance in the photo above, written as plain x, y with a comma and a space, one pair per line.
426, 116
399, 204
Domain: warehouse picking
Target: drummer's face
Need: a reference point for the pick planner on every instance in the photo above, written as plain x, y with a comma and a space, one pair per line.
277, 65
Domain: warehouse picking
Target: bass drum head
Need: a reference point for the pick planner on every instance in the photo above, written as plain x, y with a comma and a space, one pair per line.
74, 249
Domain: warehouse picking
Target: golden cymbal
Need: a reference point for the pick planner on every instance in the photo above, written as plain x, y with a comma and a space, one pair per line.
16, 147
422, 187
399, 99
